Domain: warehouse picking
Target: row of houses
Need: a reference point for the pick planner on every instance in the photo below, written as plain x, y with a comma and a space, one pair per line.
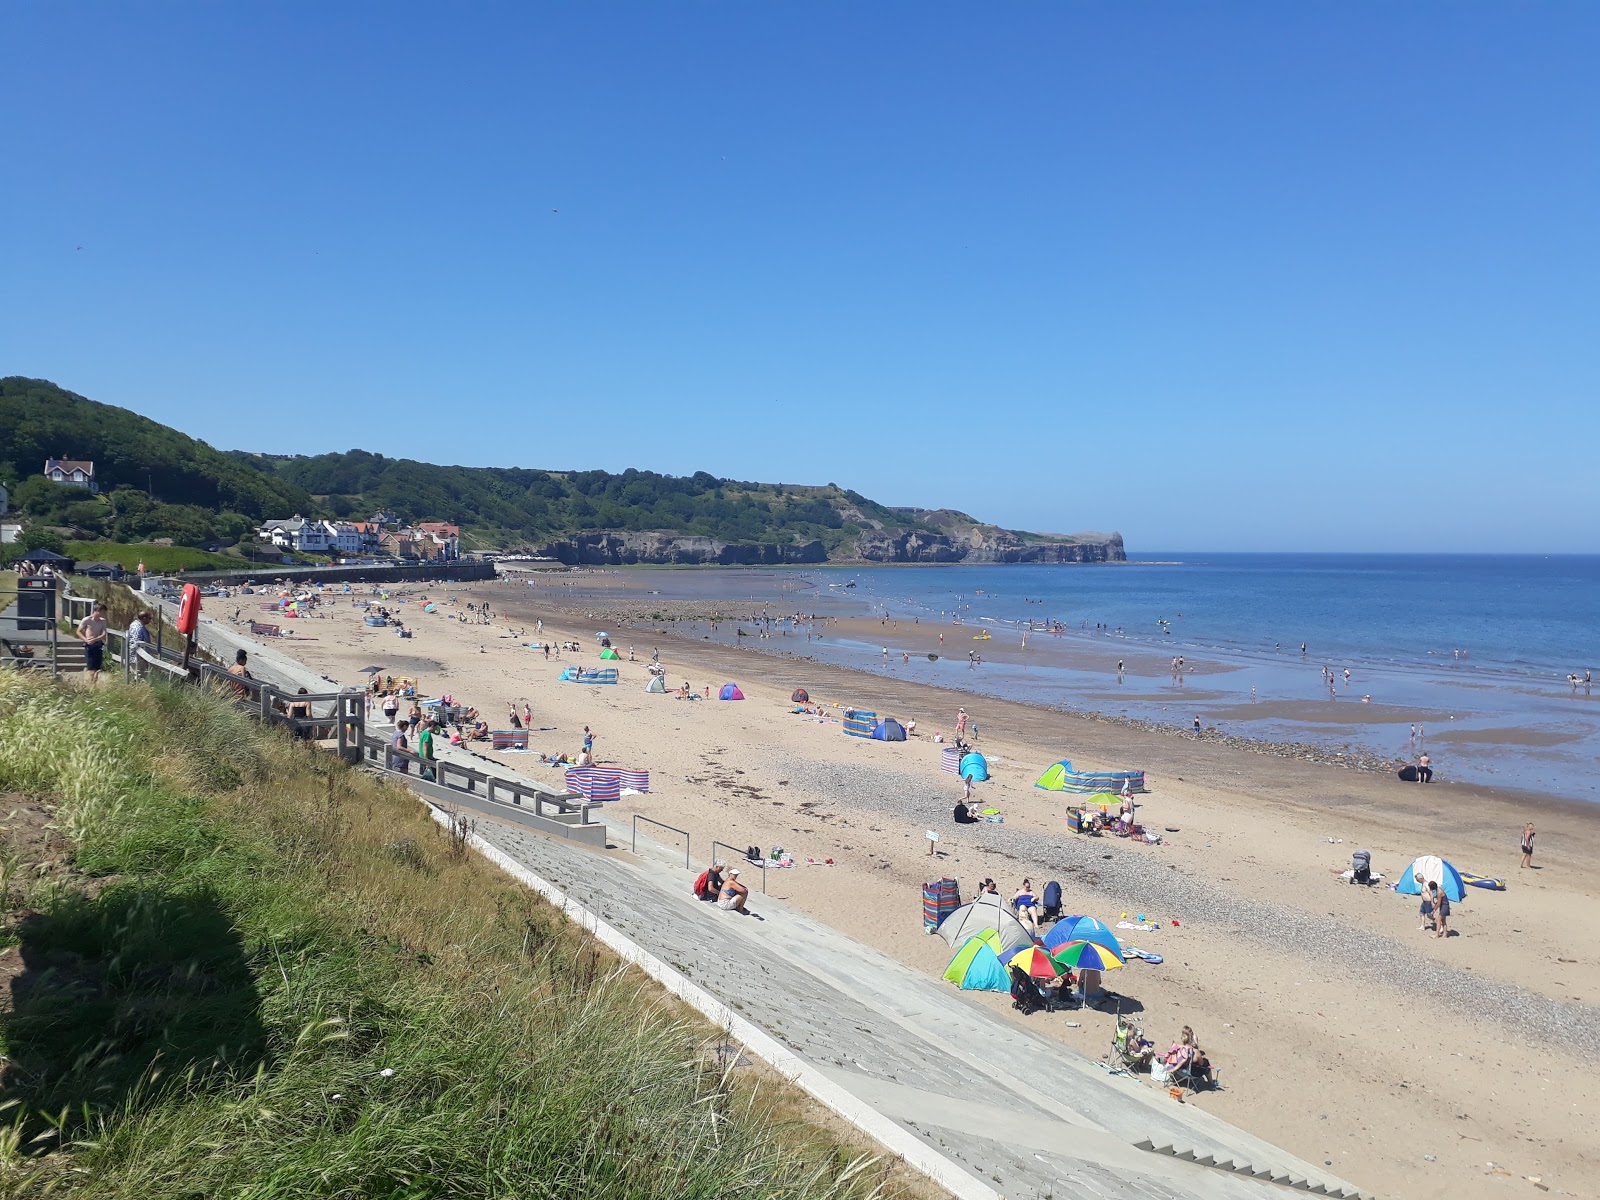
425, 541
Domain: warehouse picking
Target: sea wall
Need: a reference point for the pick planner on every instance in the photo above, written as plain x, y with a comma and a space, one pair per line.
461, 571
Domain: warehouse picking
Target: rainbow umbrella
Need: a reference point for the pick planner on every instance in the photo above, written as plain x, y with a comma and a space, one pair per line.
1035, 962
1084, 929
1086, 956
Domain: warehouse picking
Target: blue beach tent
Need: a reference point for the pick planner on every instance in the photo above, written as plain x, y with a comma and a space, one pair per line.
889, 730
1433, 870
977, 968
975, 767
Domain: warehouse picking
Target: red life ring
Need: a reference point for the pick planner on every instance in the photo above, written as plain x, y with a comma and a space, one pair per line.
189, 610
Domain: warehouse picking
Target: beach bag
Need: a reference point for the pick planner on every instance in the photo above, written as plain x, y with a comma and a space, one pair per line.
1052, 899
700, 884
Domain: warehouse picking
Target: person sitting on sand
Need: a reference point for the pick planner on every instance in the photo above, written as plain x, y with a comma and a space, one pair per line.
963, 814
734, 893
480, 732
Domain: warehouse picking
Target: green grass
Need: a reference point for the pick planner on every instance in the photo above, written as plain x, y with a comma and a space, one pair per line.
262, 974
157, 559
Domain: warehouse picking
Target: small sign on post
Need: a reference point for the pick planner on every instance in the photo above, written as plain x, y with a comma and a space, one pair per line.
933, 840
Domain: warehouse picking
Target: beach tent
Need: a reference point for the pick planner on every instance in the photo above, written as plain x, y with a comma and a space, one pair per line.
657, 684
975, 767
1433, 870
730, 691
976, 967
950, 760
986, 912
608, 652
800, 696
859, 723
1062, 778
889, 730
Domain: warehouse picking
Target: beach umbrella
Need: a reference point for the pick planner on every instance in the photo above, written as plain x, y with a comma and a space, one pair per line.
1103, 800
1035, 962
1086, 956
1060, 933
1086, 929
370, 671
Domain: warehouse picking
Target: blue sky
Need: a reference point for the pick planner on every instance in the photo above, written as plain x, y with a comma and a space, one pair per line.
1223, 276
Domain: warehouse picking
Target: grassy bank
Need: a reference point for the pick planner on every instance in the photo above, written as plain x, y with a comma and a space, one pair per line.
239, 968
158, 560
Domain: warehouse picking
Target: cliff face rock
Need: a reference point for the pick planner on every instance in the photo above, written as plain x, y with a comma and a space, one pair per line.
987, 544
676, 549
962, 543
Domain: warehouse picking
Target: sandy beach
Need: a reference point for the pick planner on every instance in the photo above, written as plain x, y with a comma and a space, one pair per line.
1414, 1066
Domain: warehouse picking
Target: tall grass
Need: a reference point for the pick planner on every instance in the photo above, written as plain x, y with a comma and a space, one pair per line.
285, 982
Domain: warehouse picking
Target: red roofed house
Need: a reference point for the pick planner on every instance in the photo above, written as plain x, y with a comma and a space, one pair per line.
72, 472
445, 538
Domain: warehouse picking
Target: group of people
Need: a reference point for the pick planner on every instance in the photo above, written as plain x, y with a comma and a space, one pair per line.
94, 632
720, 886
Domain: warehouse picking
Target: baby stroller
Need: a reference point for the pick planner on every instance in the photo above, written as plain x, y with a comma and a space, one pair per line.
1052, 901
1361, 867
1025, 995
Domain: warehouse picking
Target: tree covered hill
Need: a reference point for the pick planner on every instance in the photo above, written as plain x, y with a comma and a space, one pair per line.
157, 482
512, 504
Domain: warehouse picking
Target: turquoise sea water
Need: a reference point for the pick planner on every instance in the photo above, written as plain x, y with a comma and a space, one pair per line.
1501, 711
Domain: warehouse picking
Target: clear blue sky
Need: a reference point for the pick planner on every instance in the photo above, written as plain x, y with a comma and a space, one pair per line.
1221, 276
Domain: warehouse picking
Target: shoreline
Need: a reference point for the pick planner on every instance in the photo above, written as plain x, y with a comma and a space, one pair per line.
627, 613
1266, 955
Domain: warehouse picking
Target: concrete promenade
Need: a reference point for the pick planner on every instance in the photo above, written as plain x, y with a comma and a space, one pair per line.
1026, 1116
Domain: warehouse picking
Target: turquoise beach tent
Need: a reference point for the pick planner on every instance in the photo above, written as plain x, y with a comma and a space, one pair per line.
1433, 869
975, 767
977, 968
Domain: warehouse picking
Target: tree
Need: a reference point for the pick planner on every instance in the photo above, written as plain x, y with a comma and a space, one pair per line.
38, 537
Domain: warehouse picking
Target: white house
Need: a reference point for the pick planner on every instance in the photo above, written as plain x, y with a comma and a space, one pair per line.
71, 471
298, 534
346, 537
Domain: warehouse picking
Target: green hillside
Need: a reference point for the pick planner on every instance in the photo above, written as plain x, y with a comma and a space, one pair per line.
158, 483
510, 504
154, 481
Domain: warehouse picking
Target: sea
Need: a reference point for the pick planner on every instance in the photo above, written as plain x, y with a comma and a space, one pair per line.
1468, 657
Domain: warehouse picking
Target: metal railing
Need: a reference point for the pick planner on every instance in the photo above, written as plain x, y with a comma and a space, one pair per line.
739, 855
564, 807
637, 817
31, 640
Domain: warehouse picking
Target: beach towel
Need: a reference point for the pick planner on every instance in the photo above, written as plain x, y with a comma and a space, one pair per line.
1137, 925
1135, 952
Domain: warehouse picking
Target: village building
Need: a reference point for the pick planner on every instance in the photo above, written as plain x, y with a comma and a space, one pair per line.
72, 472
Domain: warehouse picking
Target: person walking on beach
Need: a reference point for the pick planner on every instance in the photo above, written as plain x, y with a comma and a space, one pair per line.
961, 722
1527, 845
391, 706
588, 742
1424, 769
1441, 910
1197, 727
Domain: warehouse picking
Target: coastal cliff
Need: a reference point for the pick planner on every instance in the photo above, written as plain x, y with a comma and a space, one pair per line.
973, 544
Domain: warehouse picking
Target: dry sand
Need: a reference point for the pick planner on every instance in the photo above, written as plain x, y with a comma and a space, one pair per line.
1415, 1066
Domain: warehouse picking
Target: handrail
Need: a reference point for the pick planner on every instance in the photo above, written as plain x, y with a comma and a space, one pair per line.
742, 856
146, 656
637, 817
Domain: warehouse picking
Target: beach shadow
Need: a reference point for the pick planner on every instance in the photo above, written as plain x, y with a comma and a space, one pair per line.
114, 998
